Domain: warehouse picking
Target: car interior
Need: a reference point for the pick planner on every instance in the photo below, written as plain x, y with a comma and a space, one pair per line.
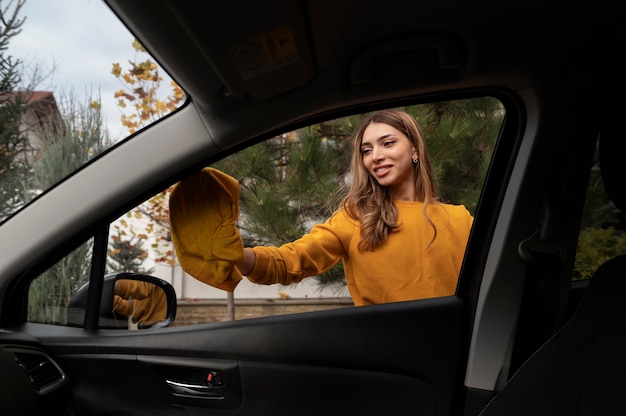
526, 331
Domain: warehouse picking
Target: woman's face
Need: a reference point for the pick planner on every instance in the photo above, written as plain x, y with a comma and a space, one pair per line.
388, 156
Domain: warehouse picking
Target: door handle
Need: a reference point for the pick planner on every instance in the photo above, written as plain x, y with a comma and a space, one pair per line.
213, 388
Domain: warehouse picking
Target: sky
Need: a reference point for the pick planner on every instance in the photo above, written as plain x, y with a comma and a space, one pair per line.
75, 42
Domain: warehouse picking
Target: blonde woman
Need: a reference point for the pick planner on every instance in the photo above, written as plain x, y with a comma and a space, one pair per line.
397, 240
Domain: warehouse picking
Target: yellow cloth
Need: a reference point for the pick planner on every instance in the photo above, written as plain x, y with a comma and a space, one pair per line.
403, 268
204, 209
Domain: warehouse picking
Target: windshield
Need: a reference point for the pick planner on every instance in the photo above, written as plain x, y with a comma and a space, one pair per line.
75, 82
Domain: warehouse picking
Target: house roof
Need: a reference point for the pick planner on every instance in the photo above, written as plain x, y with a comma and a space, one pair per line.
37, 96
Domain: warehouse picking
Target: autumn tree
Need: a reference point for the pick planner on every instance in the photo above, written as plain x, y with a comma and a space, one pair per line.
141, 92
141, 103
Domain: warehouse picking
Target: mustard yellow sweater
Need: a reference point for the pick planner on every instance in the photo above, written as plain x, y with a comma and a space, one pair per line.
403, 268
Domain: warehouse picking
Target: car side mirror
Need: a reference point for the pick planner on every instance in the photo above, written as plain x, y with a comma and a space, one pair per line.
129, 301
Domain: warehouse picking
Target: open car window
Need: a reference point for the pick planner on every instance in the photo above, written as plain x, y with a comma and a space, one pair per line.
287, 184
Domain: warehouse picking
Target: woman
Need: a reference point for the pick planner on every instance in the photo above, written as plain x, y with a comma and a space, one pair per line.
397, 240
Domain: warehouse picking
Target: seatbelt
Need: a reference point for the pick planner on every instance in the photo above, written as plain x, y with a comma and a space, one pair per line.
541, 311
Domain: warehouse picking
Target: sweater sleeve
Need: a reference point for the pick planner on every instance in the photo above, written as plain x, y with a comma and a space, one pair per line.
312, 254
132, 289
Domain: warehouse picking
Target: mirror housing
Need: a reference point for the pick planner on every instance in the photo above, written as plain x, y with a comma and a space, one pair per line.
129, 301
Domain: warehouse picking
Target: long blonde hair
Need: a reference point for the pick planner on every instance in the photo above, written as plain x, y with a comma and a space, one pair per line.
372, 204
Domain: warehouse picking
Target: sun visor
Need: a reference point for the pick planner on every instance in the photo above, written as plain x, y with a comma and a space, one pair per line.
261, 53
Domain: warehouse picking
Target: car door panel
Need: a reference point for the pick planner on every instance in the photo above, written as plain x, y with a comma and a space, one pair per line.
308, 363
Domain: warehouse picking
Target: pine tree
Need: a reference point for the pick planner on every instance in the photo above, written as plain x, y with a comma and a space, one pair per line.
460, 136
127, 255
13, 163
141, 102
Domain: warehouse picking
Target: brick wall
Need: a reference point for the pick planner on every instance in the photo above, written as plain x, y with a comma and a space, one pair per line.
204, 311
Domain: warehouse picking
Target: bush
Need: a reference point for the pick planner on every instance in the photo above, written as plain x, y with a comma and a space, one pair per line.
595, 246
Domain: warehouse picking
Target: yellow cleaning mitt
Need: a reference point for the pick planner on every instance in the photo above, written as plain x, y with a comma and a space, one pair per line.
204, 209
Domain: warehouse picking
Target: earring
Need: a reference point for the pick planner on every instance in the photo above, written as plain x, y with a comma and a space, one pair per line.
415, 160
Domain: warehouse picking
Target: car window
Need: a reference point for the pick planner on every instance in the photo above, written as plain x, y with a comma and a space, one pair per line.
601, 233
287, 184
74, 96
50, 293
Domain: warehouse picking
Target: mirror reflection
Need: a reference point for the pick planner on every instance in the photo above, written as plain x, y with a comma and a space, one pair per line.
141, 303
129, 301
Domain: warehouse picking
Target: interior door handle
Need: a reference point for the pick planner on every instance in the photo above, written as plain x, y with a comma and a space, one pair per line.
206, 391
200, 382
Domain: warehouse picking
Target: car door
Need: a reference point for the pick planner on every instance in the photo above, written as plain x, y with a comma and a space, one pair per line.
397, 358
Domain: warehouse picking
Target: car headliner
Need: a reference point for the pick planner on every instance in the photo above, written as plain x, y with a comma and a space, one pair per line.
339, 46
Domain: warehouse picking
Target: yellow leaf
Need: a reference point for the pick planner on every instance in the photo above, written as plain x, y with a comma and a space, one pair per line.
138, 46
117, 70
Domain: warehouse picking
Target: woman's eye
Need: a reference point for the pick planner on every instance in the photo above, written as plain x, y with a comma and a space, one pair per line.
365, 151
388, 143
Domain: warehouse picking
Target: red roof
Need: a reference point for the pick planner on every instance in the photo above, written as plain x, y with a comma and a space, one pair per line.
36, 96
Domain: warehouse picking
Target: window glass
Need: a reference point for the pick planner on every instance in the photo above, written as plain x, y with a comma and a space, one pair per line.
602, 235
51, 293
287, 184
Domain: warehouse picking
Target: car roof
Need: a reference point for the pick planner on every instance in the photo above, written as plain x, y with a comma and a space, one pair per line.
342, 53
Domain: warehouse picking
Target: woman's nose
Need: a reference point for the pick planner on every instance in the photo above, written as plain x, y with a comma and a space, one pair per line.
377, 154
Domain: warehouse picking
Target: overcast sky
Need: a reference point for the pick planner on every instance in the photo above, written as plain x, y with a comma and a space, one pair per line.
81, 39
